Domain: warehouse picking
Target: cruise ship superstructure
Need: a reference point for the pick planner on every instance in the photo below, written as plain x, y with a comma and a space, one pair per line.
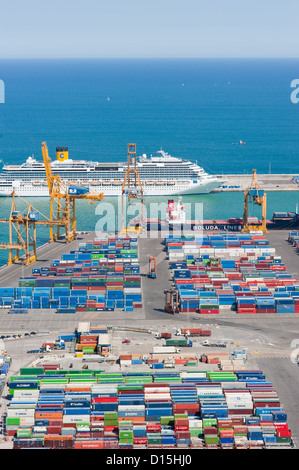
160, 175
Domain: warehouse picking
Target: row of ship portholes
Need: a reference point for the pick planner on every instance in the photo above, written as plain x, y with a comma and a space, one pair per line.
109, 183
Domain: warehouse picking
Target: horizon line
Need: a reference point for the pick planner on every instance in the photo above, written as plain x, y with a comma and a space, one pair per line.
153, 58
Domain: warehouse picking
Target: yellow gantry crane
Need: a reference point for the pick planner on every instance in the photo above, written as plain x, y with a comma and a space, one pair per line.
22, 231
63, 201
132, 190
255, 194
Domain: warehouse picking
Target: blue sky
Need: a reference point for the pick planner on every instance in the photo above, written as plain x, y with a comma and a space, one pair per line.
142, 28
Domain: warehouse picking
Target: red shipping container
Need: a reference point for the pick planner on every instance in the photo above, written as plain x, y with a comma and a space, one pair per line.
181, 428
243, 412
140, 441
210, 311
111, 444
181, 422
54, 429
280, 427
183, 434
210, 430
55, 422
105, 400
284, 433
153, 428
246, 310
96, 444
97, 434
237, 421
84, 435
110, 428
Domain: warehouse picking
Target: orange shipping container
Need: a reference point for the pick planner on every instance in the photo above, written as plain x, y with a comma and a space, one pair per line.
82, 388
57, 437
89, 338
80, 346
98, 444
48, 415
132, 418
226, 433
125, 357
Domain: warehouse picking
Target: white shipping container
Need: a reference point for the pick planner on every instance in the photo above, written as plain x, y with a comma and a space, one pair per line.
18, 412
149, 390
195, 423
51, 386
104, 338
40, 429
132, 290
157, 396
68, 419
24, 406
225, 362
126, 362
131, 407
103, 389
80, 384
194, 374
164, 349
83, 327
26, 393
209, 391
240, 406
239, 399
27, 420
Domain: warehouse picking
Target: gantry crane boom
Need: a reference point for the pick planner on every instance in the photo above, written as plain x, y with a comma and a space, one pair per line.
254, 193
132, 187
22, 226
63, 200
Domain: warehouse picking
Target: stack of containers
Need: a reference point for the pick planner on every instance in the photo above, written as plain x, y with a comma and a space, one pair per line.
158, 401
109, 267
245, 275
57, 408
182, 431
211, 400
5, 362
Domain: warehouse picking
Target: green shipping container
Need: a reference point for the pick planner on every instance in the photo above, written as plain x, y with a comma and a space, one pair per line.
32, 371
24, 432
167, 420
54, 381
127, 434
12, 421
287, 440
136, 380
209, 439
88, 350
209, 422
196, 432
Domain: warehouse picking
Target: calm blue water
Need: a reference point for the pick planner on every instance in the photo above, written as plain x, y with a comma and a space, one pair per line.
193, 109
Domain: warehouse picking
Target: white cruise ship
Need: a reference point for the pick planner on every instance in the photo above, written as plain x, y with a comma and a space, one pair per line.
160, 175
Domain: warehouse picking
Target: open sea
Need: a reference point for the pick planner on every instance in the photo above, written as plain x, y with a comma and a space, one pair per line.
191, 108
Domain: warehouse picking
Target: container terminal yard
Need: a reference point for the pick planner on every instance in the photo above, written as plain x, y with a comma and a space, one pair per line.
235, 385
149, 340
270, 182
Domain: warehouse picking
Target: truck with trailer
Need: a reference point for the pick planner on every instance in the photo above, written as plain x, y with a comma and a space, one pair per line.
214, 345
193, 332
163, 335
165, 350
179, 342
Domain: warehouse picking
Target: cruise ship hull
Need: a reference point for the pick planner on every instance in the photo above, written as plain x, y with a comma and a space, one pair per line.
160, 175
111, 190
